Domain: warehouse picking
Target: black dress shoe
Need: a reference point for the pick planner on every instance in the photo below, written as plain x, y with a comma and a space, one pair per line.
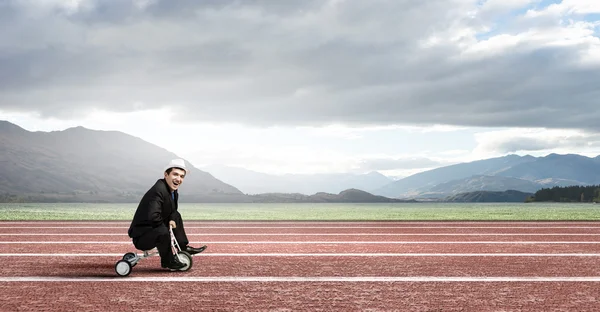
193, 250
174, 265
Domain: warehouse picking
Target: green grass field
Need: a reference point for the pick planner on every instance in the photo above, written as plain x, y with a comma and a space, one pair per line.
401, 211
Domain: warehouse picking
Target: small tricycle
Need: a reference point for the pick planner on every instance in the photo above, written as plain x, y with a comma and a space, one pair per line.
124, 266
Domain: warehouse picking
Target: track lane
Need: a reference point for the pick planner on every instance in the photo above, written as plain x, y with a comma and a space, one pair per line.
303, 296
333, 223
336, 265
327, 237
313, 247
317, 231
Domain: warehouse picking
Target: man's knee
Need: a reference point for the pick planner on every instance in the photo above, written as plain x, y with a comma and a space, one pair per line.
143, 244
157, 237
161, 230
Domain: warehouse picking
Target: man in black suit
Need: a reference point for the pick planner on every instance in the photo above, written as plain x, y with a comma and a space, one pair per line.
156, 212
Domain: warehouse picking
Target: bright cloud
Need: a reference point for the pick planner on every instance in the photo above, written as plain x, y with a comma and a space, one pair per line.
537, 141
567, 7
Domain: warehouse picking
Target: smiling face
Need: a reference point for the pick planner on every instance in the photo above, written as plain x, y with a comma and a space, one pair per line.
174, 178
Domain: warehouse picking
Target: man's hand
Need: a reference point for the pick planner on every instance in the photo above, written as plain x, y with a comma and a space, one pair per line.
172, 224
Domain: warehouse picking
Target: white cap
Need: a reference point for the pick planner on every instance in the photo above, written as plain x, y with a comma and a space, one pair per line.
176, 163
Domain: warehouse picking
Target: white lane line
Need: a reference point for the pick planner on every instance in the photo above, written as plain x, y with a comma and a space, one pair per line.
316, 234
305, 221
324, 242
592, 223
315, 227
303, 279
321, 255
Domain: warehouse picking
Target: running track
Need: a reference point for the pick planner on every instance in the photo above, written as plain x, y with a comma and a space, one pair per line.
312, 266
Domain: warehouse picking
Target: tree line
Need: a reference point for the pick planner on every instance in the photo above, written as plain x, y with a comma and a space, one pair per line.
576, 193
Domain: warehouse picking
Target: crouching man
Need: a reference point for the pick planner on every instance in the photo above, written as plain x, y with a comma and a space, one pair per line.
157, 211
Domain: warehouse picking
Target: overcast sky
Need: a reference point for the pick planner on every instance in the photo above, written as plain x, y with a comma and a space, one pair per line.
397, 86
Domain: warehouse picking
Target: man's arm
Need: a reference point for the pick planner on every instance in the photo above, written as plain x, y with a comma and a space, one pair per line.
155, 209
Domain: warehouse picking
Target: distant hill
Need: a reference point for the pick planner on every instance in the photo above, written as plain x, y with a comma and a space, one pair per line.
480, 183
79, 164
576, 193
252, 182
346, 196
512, 172
417, 183
510, 196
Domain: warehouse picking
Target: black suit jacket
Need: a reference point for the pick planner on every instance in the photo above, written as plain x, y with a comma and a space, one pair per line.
154, 210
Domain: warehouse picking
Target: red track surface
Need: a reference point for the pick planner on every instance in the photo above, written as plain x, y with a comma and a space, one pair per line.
312, 266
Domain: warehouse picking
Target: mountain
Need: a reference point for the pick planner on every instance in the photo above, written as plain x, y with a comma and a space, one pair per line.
574, 168
512, 172
346, 196
480, 183
252, 182
415, 184
510, 196
89, 165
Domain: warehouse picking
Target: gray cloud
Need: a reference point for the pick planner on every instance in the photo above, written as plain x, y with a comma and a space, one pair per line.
526, 144
517, 144
276, 62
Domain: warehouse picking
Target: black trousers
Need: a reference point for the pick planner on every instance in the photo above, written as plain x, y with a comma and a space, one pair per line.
160, 238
